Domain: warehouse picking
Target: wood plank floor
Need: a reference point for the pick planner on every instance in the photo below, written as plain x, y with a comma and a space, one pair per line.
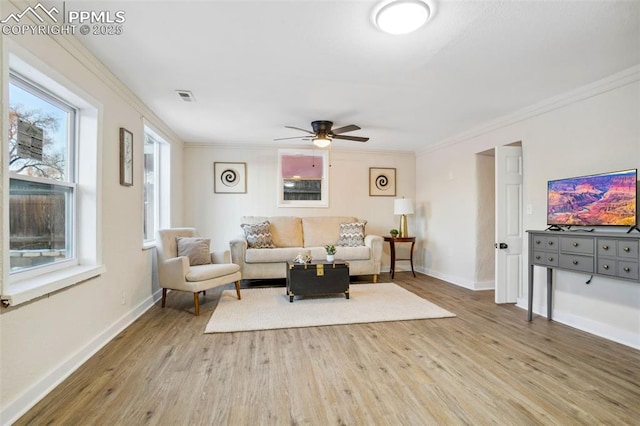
486, 366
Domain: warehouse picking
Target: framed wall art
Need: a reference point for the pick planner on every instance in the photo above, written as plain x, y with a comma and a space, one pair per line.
126, 157
230, 178
382, 182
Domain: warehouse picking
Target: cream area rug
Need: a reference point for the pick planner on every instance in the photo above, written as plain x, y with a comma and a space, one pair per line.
269, 308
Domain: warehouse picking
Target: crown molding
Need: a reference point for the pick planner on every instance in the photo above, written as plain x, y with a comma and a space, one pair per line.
272, 147
615, 81
72, 45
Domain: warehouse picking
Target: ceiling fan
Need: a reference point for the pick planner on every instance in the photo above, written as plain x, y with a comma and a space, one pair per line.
322, 134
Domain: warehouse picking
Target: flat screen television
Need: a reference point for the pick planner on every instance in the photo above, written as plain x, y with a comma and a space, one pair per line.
606, 199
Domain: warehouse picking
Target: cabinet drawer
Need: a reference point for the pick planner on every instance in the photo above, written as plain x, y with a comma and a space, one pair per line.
628, 249
539, 258
541, 242
577, 263
628, 270
577, 245
607, 248
606, 267
545, 258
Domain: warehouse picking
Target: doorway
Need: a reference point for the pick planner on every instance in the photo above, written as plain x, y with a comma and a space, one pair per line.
499, 221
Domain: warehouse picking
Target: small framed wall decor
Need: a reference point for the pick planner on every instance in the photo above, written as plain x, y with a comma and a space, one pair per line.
126, 157
230, 178
382, 182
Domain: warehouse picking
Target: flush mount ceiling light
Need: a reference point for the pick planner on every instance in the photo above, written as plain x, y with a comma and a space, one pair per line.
402, 16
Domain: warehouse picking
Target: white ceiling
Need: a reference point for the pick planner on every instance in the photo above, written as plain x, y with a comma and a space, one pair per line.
256, 66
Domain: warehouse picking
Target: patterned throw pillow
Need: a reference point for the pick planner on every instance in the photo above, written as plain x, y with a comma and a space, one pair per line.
351, 234
196, 249
258, 235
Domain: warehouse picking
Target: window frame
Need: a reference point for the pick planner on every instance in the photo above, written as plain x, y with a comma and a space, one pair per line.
161, 186
70, 180
88, 171
324, 179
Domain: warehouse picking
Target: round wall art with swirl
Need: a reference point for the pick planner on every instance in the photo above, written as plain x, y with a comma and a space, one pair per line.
382, 182
230, 178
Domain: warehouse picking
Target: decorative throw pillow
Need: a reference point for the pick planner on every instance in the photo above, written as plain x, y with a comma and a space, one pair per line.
351, 234
258, 235
196, 249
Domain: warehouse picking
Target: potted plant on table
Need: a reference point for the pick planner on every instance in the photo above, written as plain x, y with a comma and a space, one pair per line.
331, 252
394, 233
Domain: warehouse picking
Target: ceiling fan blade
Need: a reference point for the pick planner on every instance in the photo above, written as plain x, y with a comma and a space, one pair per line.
351, 138
298, 128
293, 137
349, 128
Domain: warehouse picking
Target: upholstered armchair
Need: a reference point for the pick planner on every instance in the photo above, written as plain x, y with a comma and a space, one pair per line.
185, 263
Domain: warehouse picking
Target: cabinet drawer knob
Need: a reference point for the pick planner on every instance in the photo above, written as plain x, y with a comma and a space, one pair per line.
605, 247
575, 262
551, 259
627, 269
538, 257
605, 266
575, 244
538, 241
627, 249
550, 243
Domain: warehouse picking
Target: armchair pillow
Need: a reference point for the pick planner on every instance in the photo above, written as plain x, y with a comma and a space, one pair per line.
258, 235
196, 249
351, 234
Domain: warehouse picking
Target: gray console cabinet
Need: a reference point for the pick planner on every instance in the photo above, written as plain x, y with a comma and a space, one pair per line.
614, 255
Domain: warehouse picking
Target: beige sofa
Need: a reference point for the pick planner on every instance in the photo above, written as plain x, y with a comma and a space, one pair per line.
297, 235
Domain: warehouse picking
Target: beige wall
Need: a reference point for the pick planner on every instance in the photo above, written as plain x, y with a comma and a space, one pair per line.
218, 215
44, 340
593, 129
485, 222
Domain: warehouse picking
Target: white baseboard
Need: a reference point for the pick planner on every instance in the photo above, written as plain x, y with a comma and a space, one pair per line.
459, 281
17, 408
485, 285
587, 325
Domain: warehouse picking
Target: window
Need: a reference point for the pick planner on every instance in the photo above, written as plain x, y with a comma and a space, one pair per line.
303, 179
42, 184
52, 209
156, 151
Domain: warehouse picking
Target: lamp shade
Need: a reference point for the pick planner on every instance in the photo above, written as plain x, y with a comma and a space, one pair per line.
321, 142
403, 206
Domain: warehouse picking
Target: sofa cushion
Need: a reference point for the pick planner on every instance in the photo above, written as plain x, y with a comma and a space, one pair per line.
258, 235
343, 254
207, 272
351, 234
353, 253
285, 230
320, 231
196, 249
279, 254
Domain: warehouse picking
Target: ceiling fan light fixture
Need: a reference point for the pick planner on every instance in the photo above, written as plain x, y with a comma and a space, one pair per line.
402, 16
321, 141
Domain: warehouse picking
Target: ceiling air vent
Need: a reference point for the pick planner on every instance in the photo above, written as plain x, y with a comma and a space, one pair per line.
186, 95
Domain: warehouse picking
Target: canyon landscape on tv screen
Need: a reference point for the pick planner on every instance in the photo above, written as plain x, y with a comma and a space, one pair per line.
604, 199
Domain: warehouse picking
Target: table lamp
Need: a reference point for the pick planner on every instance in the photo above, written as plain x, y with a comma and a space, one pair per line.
403, 206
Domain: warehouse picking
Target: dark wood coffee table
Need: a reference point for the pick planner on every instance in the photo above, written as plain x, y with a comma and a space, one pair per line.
317, 278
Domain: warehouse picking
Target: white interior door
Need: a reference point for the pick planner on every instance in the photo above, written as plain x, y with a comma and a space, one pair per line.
509, 232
